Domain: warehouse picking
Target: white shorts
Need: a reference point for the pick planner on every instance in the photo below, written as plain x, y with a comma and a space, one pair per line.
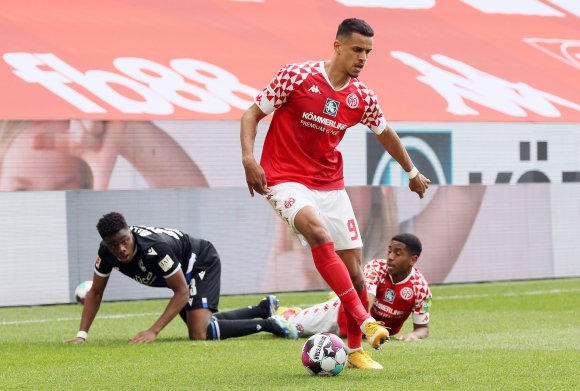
333, 206
319, 318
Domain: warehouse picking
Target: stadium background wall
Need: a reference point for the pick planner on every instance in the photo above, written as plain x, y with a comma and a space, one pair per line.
146, 120
506, 206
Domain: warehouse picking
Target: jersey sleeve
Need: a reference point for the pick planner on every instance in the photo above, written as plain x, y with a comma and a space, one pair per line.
375, 271
286, 80
422, 308
102, 267
373, 116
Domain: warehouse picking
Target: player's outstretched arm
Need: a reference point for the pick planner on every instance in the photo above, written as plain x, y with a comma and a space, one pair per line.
393, 145
420, 331
180, 290
255, 176
91, 307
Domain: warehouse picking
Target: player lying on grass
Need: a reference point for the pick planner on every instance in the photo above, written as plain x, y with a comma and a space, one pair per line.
395, 290
190, 267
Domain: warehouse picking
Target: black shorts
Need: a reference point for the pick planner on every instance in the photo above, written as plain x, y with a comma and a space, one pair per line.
204, 287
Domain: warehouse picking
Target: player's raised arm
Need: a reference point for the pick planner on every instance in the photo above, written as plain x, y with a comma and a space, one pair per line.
255, 176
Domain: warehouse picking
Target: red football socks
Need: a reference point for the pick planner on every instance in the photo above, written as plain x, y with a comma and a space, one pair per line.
353, 330
336, 275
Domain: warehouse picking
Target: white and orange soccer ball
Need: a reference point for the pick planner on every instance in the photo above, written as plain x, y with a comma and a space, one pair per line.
82, 290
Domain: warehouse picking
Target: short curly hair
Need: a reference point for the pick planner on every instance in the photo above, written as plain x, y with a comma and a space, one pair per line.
110, 224
411, 241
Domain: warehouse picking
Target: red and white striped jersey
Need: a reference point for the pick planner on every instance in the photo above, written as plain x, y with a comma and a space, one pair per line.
310, 119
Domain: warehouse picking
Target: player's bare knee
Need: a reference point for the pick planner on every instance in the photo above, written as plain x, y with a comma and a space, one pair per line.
318, 235
198, 335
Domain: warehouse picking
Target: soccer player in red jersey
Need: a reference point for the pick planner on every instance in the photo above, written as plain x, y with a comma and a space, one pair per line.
396, 290
301, 171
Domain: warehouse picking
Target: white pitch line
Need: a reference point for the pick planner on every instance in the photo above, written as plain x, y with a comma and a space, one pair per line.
77, 318
509, 294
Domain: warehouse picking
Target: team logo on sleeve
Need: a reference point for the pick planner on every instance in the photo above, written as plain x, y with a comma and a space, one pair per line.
331, 107
166, 263
352, 101
390, 296
98, 262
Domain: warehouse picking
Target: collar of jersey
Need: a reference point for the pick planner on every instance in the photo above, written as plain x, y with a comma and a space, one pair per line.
405, 279
323, 71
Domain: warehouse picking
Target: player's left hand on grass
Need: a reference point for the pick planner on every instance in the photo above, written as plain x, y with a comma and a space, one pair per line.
75, 340
144, 337
419, 184
407, 337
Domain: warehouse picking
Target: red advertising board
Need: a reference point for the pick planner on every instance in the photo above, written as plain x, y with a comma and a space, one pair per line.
469, 60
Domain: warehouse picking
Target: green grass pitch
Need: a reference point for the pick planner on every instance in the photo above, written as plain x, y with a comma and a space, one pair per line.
493, 336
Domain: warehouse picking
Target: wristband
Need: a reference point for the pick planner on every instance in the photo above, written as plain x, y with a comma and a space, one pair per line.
413, 173
83, 334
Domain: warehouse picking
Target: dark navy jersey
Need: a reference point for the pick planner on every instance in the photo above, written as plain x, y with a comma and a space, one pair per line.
159, 254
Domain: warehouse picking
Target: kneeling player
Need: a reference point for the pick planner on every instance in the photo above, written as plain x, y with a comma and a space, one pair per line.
190, 267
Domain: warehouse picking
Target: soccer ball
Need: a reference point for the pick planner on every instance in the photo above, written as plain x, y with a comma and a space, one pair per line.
82, 290
324, 354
